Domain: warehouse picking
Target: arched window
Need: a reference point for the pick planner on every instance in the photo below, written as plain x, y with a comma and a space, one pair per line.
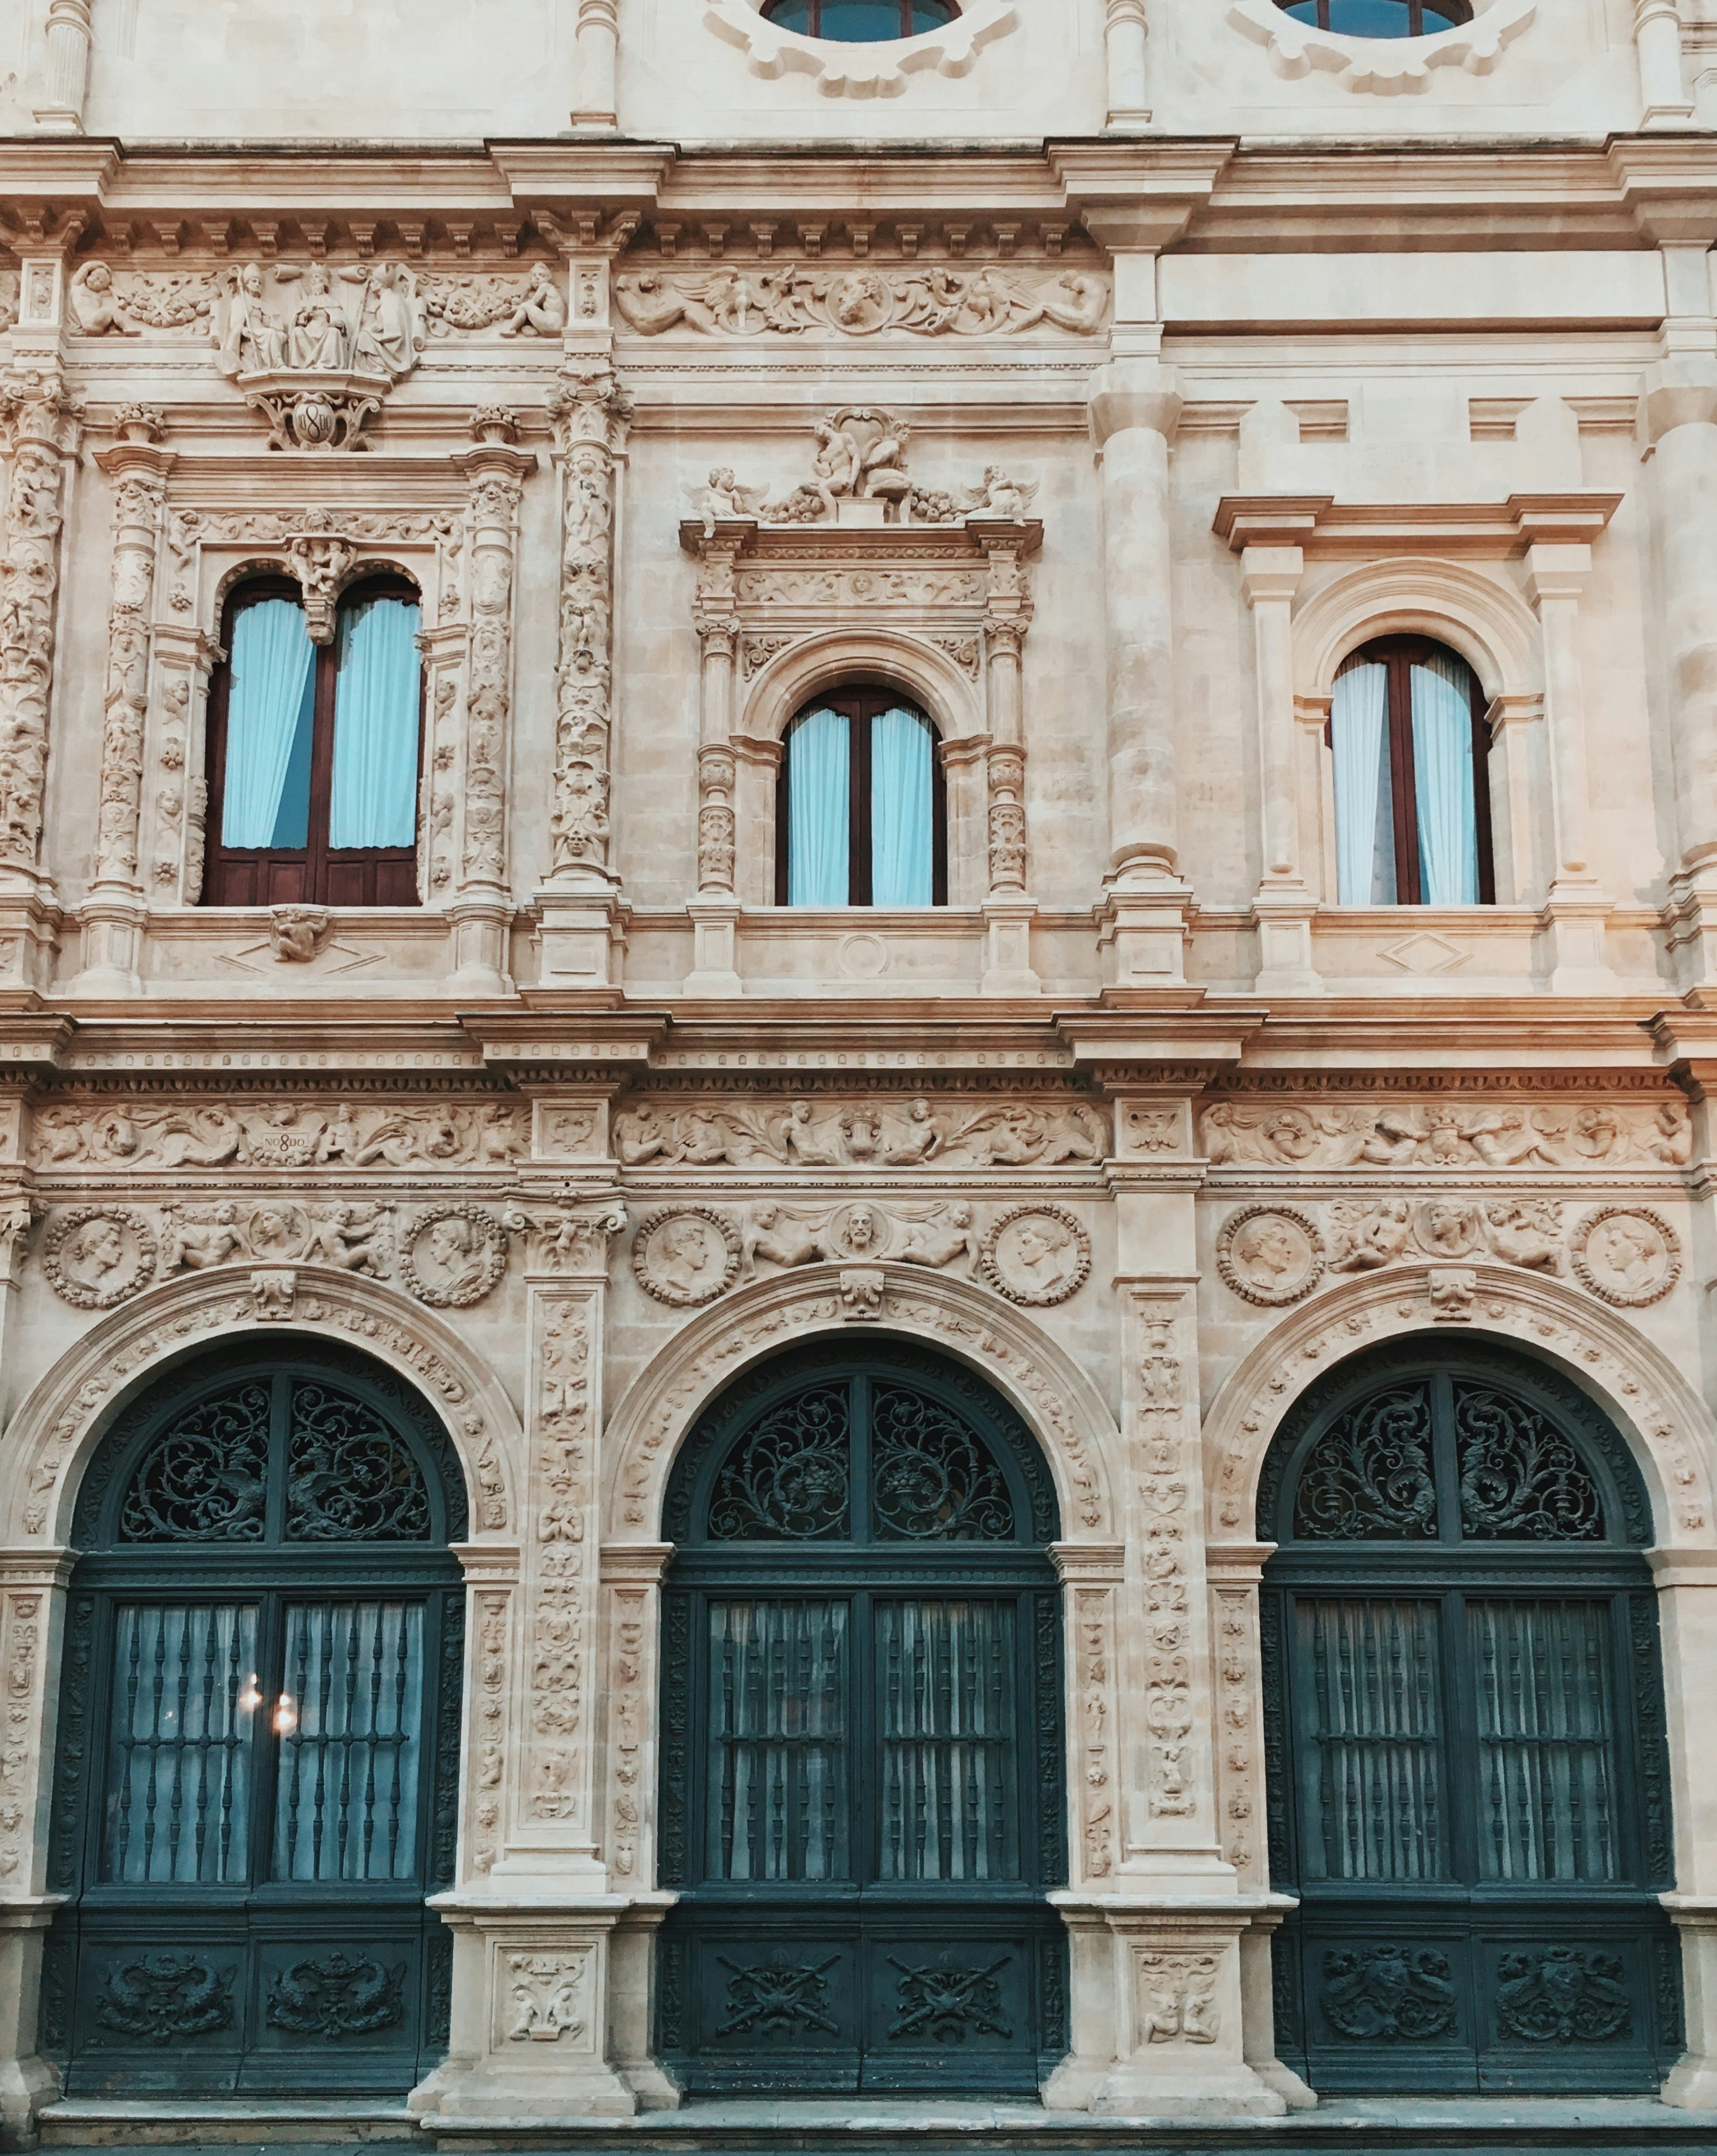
1412, 791
862, 817
1380, 18
861, 21
257, 1782
1464, 1729
314, 751
863, 1769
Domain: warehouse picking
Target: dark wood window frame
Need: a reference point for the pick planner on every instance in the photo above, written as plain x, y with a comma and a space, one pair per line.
859, 705
775, 8
316, 874
1443, 14
1400, 655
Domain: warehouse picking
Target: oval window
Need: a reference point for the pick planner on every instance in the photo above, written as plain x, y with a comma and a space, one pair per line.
1380, 18
861, 21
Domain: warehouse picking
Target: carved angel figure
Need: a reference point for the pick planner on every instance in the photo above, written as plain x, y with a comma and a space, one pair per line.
193, 1246
1000, 496
725, 498
938, 1242
350, 1237
95, 306
542, 312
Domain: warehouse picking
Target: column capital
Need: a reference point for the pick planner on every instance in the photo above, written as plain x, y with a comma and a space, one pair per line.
1135, 393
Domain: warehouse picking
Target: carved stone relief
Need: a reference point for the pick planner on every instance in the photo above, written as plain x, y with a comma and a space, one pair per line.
805, 1133
352, 1238
454, 1256
18, 1752
687, 1254
545, 1997
139, 474
1235, 1646
1629, 1255
1439, 1134
315, 348
858, 299
38, 429
1177, 1997
1164, 1491
561, 1612
532, 306
1095, 1655
99, 1256
627, 1718
286, 1134
1037, 1254
489, 1742
1270, 1254
861, 459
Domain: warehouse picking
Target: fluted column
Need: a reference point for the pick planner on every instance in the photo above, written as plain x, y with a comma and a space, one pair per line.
114, 913
1135, 409
66, 68
1663, 80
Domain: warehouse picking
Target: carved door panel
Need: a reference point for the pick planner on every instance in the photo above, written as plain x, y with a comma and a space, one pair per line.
862, 1761
259, 1740
1464, 1704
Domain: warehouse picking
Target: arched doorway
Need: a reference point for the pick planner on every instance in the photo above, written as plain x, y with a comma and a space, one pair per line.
862, 1761
257, 1758
1468, 1787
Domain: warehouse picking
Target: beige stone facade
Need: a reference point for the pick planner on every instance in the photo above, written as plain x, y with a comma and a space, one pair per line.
1207, 347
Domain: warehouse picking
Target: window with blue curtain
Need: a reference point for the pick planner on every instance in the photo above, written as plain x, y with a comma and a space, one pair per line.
1409, 749
862, 818
315, 751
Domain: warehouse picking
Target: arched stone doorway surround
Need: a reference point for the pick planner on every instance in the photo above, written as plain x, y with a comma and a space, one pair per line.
1672, 1436
49, 1443
1128, 1944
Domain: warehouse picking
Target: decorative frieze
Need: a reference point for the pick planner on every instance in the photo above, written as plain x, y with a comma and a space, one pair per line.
285, 1133
860, 299
862, 1134
38, 433
1437, 1133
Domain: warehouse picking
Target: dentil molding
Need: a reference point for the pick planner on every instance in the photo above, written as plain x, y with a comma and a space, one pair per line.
1384, 66
858, 71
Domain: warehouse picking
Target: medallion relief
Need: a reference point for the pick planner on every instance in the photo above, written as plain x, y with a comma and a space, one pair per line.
1627, 1254
1270, 1254
1037, 1254
99, 1256
454, 1256
687, 1254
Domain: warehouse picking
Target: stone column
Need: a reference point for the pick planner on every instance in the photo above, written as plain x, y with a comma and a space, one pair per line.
715, 910
1135, 409
481, 911
597, 64
38, 438
1008, 908
1284, 905
1687, 1604
32, 1620
1663, 83
114, 912
66, 68
1124, 44
1577, 908
533, 1926
580, 904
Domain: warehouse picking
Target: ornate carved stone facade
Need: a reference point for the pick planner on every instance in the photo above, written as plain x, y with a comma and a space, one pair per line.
1105, 457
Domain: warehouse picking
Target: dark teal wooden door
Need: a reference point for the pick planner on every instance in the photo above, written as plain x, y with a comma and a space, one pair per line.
258, 1738
1463, 1699
862, 1760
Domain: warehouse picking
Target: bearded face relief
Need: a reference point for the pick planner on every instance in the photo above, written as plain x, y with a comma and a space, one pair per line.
455, 1254
96, 1258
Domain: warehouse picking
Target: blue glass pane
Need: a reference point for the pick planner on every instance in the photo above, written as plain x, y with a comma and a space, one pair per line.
292, 817
373, 801
270, 710
1304, 11
861, 21
1371, 19
791, 15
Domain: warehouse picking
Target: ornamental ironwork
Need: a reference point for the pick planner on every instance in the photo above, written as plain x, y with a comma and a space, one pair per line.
932, 1479
342, 1996
348, 1477
166, 1999
205, 1478
1562, 1996
1389, 1992
777, 1997
789, 1479
1521, 1479
1369, 1476
947, 2000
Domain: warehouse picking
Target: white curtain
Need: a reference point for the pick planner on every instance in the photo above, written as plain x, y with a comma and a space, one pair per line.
818, 797
375, 782
902, 859
1442, 773
270, 707
1365, 827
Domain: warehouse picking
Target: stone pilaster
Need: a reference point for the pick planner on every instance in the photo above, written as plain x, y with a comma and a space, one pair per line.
1008, 908
1284, 904
580, 903
113, 915
1124, 35
1662, 77
1577, 908
598, 52
494, 474
65, 72
715, 912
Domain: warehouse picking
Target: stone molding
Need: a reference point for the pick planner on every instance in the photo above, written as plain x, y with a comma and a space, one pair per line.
1042, 1381
1385, 67
860, 71
1636, 1382
58, 1424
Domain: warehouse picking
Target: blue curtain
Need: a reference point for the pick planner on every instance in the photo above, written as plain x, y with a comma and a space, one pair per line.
902, 861
270, 709
1443, 778
819, 793
375, 782
1364, 825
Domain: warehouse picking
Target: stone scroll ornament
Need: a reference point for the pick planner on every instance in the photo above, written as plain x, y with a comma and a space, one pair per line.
38, 429
591, 412
801, 298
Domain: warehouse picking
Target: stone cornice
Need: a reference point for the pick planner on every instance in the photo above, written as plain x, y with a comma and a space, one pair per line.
1484, 531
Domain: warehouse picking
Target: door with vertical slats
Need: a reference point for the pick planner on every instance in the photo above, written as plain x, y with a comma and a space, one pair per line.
863, 1761
257, 1756
1464, 1710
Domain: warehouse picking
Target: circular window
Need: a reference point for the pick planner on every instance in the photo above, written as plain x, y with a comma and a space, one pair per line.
861, 21
1379, 19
